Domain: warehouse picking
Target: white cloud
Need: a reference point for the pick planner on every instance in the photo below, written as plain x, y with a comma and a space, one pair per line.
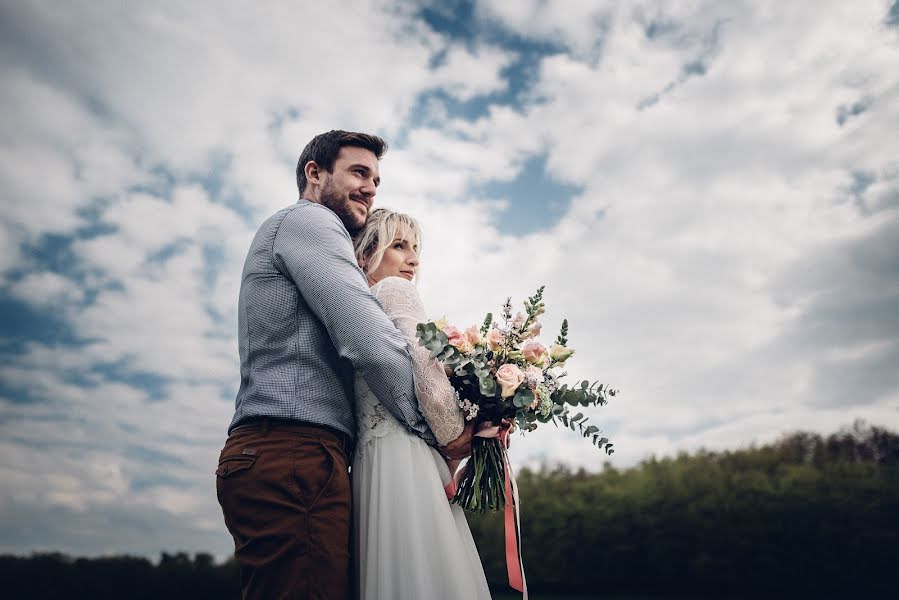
466, 75
577, 24
47, 290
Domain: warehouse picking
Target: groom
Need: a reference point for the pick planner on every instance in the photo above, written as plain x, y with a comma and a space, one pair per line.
307, 322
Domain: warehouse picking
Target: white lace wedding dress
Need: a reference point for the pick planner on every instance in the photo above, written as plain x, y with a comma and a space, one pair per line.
410, 542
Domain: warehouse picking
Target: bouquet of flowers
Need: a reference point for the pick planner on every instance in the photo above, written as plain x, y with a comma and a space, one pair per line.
502, 375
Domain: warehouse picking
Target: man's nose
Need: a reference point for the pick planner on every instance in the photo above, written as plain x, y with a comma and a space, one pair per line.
369, 188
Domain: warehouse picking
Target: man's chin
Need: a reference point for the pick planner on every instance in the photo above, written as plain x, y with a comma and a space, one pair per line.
351, 216
360, 214
354, 221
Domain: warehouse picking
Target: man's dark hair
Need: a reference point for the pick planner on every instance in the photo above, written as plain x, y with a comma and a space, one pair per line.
325, 147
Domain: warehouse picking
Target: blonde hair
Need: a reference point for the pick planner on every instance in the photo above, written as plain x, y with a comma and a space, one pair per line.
379, 231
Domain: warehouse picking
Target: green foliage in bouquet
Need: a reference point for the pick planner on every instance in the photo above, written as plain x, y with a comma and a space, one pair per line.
502, 374
583, 394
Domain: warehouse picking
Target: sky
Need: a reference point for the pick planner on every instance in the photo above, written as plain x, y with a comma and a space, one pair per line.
708, 190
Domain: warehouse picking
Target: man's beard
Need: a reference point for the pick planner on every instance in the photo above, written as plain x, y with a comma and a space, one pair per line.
340, 203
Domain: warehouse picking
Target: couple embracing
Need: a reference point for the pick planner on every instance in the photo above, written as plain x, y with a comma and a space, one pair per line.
331, 378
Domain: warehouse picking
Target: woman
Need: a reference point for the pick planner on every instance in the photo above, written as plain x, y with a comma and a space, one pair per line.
410, 541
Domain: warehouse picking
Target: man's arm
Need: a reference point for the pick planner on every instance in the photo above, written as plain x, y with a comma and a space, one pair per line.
313, 249
436, 396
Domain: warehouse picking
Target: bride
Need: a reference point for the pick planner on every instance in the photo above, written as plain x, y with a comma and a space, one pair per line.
410, 542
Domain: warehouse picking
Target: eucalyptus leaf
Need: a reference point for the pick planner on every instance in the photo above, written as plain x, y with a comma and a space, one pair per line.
523, 397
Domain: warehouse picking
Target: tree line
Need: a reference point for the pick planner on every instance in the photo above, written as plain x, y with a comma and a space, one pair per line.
807, 516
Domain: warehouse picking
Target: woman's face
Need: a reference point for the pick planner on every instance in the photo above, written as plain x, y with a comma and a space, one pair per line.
399, 260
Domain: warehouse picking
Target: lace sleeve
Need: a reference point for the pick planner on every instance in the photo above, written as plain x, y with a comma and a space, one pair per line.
436, 396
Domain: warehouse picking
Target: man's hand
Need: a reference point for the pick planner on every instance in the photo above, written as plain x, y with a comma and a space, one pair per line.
460, 447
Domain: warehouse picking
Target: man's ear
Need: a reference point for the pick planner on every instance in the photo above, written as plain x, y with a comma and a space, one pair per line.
313, 172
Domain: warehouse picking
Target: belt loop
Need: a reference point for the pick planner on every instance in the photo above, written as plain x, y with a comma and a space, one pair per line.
266, 425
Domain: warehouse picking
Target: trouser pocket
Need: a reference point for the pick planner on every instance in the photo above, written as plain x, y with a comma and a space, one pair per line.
232, 466
313, 471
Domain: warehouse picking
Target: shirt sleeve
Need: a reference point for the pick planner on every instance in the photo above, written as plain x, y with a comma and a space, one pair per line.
314, 250
436, 395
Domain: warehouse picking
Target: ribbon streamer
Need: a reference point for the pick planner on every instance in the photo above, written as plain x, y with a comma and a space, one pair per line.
514, 565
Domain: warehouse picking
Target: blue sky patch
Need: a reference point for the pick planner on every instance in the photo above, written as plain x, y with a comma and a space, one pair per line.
846, 112
861, 181
456, 20
154, 385
893, 15
535, 201
22, 322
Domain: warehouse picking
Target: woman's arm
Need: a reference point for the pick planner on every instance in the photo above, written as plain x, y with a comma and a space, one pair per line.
436, 397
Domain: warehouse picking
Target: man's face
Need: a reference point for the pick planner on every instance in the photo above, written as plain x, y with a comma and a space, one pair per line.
350, 189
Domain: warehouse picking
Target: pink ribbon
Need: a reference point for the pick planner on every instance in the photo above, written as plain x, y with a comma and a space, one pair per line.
514, 565
452, 487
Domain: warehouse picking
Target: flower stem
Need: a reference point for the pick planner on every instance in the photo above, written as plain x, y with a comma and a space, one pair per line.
482, 485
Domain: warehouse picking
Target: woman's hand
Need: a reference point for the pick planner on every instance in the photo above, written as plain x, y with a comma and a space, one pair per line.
460, 447
510, 425
453, 464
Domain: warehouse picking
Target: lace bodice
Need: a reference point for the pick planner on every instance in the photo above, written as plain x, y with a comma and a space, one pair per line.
436, 396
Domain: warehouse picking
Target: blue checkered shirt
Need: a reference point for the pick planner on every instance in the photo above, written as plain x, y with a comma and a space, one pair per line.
307, 321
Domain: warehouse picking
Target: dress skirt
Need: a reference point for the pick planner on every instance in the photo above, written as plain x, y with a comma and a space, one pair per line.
410, 543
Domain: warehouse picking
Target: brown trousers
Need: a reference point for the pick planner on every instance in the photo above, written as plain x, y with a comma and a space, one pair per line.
284, 489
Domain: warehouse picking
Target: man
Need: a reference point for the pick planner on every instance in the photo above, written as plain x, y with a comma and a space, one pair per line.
307, 321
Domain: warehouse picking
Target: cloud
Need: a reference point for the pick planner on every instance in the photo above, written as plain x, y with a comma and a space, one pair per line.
576, 24
52, 166
47, 290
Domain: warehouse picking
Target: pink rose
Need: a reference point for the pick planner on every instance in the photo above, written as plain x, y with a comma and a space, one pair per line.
462, 341
473, 335
495, 339
453, 335
534, 352
509, 377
